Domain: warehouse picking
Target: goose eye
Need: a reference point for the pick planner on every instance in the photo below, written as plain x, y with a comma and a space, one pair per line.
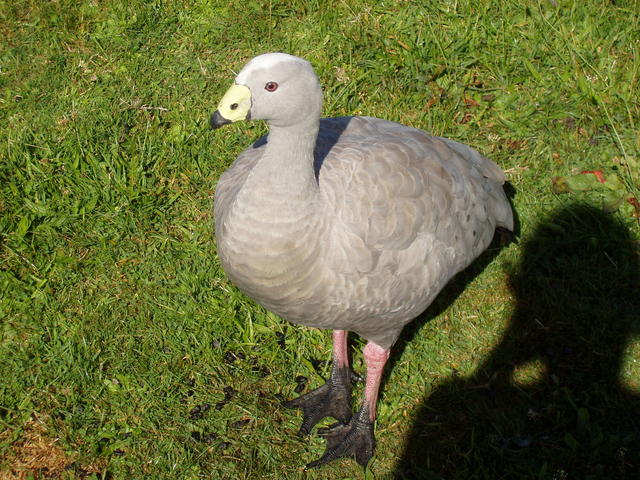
271, 86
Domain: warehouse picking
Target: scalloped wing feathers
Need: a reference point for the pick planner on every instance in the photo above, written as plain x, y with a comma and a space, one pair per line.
387, 184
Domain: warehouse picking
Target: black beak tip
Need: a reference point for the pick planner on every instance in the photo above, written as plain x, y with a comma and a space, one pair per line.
218, 120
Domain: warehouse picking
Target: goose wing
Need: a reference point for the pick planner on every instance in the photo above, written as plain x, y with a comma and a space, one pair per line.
388, 185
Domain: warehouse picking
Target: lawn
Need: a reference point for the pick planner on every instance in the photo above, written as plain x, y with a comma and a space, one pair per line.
126, 353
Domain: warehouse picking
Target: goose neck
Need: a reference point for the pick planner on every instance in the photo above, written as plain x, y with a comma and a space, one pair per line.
296, 140
288, 158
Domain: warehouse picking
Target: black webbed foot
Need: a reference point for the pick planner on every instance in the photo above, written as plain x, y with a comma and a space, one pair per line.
355, 440
333, 399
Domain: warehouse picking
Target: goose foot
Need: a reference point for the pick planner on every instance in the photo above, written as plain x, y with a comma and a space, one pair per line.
333, 399
354, 440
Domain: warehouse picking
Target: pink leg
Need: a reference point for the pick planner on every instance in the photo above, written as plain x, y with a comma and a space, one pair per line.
340, 356
356, 439
375, 357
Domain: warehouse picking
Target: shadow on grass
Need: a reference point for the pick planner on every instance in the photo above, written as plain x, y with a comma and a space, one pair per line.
548, 401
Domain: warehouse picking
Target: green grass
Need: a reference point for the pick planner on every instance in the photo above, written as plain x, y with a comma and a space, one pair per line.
116, 319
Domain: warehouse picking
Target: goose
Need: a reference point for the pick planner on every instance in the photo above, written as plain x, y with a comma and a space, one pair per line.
352, 224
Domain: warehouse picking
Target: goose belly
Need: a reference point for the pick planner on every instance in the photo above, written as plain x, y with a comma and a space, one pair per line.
400, 286
293, 273
274, 263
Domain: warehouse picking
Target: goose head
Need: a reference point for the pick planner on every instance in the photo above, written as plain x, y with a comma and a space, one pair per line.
279, 88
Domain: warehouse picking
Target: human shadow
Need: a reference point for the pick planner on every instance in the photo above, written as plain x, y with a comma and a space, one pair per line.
549, 401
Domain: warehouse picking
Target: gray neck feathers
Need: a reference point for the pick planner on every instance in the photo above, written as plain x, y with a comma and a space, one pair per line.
282, 186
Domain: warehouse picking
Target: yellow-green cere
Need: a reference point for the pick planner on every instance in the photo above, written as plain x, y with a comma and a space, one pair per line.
235, 104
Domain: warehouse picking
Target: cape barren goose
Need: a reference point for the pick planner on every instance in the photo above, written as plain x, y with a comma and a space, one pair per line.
349, 224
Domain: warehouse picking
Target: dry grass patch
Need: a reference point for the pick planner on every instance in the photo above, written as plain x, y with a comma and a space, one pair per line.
37, 455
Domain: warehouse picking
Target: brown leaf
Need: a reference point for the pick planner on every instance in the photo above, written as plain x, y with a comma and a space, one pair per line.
636, 205
598, 173
470, 102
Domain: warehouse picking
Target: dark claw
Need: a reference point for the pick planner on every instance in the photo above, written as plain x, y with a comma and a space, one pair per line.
355, 440
333, 399
356, 377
